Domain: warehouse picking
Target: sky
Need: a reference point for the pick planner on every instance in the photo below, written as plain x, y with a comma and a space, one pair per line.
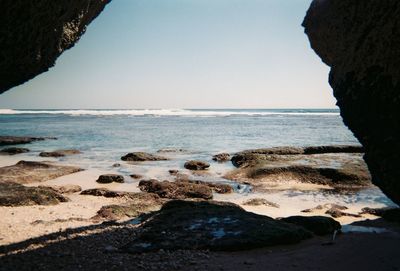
185, 54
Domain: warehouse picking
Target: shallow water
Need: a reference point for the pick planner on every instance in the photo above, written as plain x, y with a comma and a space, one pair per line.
105, 135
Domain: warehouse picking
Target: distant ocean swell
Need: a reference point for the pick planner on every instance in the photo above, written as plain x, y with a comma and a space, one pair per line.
176, 112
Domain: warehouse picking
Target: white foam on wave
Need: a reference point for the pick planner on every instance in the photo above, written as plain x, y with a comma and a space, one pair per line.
166, 112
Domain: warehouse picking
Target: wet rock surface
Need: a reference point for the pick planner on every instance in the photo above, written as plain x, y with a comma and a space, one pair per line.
13, 194
13, 151
215, 226
16, 140
31, 45
30, 172
319, 225
196, 165
110, 178
176, 190
221, 157
142, 156
360, 41
59, 153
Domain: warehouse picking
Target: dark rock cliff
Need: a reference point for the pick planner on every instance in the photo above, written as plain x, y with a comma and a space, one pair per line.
360, 41
34, 33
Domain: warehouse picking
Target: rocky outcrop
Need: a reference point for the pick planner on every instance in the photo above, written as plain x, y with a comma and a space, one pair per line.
15, 140
30, 172
59, 153
34, 34
196, 165
360, 41
142, 156
176, 190
13, 151
13, 194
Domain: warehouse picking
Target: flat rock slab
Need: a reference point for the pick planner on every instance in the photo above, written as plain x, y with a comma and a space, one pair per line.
30, 172
14, 140
176, 190
13, 151
59, 153
211, 225
142, 156
13, 194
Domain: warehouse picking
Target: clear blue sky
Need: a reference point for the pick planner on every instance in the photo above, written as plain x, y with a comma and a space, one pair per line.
186, 54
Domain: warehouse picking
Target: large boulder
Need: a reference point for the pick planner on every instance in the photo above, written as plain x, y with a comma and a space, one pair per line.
34, 34
360, 41
211, 225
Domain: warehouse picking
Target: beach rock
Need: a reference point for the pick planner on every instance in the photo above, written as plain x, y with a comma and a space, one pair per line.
196, 165
15, 140
211, 225
116, 165
335, 212
176, 190
59, 153
13, 194
326, 206
173, 171
360, 41
319, 225
142, 156
260, 156
139, 203
218, 188
307, 174
35, 35
64, 189
221, 157
110, 178
13, 151
260, 201
136, 176
30, 172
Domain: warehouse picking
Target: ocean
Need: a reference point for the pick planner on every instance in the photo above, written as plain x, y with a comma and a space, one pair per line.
104, 136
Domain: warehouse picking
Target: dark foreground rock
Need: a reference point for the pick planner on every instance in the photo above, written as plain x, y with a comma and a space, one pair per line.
211, 225
13, 151
360, 41
59, 153
176, 190
110, 178
30, 172
31, 45
142, 156
222, 157
319, 225
13, 194
15, 140
196, 165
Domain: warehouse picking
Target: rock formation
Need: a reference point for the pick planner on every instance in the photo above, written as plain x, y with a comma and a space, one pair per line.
360, 41
33, 34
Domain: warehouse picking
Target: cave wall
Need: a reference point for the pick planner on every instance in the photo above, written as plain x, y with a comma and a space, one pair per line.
360, 41
34, 33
